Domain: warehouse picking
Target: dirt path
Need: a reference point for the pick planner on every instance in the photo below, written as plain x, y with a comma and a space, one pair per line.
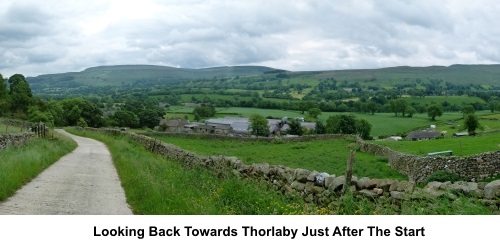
83, 182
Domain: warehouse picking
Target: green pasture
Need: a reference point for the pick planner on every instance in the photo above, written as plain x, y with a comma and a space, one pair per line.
322, 155
461, 146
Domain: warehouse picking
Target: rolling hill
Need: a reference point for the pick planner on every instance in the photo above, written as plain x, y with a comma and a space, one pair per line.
134, 76
130, 74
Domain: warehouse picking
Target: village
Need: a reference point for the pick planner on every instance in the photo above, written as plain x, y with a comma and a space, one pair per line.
240, 127
228, 126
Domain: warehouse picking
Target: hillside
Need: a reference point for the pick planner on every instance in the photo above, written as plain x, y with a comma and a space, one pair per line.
116, 76
126, 74
456, 74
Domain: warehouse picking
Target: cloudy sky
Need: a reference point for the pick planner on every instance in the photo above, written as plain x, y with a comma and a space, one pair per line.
50, 36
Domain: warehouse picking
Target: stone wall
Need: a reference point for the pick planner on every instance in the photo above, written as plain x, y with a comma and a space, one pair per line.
263, 139
314, 187
417, 168
14, 139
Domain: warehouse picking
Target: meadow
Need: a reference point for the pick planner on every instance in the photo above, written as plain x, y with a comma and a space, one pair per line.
461, 146
328, 156
18, 165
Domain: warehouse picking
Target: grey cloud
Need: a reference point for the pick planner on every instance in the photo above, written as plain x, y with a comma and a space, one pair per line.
293, 35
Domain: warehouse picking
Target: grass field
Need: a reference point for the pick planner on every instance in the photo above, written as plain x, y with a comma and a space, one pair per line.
18, 165
322, 155
461, 146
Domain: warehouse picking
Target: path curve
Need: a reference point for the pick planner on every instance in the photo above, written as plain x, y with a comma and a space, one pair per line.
82, 182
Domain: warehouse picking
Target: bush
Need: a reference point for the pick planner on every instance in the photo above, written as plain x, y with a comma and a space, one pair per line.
443, 176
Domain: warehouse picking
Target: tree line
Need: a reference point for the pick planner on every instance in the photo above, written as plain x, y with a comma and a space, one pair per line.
17, 101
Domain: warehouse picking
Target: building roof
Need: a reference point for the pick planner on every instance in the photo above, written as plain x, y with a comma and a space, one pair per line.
423, 135
174, 122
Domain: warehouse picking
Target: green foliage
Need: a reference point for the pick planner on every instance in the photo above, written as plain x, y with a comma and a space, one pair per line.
19, 165
125, 118
443, 176
19, 94
295, 127
258, 125
36, 115
411, 110
471, 123
320, 128
363, 128
341, 124
76, 108
399, 106
81, 123
467, 109
314, 112
148, 118
434, 111
348, 124
204, 111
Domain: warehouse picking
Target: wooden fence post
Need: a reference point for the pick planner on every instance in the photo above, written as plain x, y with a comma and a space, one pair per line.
348, 172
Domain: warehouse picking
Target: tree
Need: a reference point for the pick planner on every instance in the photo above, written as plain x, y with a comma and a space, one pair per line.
295, 127
36, 115
493, 105
371, 107
471, 123
467, 109
204, 111
4, 105
126, 119
77, 107
434, 111
314, 112
341, 124
20, 94
398, 106
258, 125
411, 110
363, 128
320, 128
148, 118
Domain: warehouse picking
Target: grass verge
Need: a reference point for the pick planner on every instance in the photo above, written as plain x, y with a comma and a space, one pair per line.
19, 165
155, 185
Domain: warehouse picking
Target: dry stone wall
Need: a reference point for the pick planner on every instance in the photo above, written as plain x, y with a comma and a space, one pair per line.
417, 168
14, 139
315, 187
304, 138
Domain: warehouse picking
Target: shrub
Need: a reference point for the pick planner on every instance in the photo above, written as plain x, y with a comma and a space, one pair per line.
443, 176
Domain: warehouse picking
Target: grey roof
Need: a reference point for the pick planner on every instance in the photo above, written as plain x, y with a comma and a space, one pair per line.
423, 134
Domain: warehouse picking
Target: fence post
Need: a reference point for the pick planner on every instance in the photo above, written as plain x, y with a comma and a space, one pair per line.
348, 172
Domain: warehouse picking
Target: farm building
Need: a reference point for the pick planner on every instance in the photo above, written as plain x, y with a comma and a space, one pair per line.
173, 124
424, 135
